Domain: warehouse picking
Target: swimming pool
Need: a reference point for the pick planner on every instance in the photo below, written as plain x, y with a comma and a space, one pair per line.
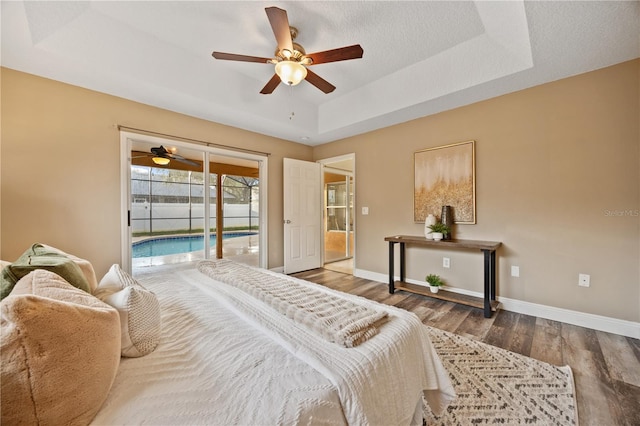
163, 246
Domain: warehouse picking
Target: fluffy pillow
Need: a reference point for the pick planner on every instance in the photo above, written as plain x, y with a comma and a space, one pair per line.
139, 311
60, 351
39, 256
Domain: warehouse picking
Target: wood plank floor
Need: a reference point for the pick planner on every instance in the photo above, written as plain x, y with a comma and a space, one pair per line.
606, 367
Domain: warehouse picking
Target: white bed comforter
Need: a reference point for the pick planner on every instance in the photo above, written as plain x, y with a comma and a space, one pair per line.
226, 358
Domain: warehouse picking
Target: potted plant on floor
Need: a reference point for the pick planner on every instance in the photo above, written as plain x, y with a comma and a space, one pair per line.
439, 230
435, 282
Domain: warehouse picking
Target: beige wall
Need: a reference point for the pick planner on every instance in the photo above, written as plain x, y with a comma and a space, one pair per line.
551, 162
60, 168
555, 164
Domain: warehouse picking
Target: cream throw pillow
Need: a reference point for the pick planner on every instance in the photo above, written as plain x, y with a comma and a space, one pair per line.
60, 352
139, 311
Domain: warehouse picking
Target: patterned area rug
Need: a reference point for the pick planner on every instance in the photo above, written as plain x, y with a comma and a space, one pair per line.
495, 386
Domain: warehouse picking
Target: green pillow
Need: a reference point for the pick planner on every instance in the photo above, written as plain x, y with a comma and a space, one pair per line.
41, 257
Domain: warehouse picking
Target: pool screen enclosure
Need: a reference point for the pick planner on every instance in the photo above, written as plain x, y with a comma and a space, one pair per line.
167, 201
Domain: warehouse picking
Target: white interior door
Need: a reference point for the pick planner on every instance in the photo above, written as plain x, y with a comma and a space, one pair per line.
302, 216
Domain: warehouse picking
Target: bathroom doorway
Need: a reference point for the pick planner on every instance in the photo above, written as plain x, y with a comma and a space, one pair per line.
338, 213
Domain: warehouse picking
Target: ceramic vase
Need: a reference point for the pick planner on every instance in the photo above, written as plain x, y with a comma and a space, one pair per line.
429, 220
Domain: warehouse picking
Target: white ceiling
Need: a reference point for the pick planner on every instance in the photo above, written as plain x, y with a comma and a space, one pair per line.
420, 57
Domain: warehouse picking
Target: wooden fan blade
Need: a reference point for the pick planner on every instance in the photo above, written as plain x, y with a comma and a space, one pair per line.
319, 82
140, 154
339, 54
242, 58
280, 26
271, 85
185, 160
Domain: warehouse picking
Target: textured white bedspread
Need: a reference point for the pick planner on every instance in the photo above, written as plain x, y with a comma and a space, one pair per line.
226, 358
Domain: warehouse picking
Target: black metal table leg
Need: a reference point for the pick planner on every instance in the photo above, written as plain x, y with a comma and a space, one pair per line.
487, 283
402, 271
391, 262
493, 275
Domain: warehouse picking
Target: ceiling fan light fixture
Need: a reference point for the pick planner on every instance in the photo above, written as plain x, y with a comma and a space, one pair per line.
162, 161
290, 58
291, 72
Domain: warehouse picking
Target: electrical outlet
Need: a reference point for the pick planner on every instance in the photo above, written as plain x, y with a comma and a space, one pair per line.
584, 280
515, 271
365, 211
446, 262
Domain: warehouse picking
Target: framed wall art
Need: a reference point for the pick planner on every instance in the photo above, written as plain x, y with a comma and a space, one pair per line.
445, 176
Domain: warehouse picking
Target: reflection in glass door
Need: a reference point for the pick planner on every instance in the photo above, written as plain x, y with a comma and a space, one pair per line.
338, 240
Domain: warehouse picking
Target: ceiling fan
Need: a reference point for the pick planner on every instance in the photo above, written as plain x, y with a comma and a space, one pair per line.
291, 60
162, 156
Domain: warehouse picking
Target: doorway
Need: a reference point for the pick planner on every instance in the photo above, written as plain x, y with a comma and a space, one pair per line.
338, 213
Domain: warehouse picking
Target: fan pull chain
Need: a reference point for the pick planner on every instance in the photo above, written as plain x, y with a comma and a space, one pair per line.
291, 103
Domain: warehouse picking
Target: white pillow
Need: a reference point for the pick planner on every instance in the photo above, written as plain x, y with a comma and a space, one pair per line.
139, 311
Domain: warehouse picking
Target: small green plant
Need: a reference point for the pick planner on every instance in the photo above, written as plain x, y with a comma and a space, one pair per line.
440, 227
434, 280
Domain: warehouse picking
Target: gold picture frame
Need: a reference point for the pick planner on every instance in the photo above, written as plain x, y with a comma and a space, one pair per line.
445, 176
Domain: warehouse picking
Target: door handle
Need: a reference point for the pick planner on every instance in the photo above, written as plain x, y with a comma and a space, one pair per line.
287, 221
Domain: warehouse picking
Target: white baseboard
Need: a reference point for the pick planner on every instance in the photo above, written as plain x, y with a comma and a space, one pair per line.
373, 276
278, 269
582, 319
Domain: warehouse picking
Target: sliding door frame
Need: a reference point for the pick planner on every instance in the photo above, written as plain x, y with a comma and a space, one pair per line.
126, 143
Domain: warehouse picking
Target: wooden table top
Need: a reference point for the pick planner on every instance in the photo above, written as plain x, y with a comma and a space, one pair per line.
454, 243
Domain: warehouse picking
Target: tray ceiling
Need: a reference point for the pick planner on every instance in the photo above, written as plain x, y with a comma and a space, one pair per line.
420, 57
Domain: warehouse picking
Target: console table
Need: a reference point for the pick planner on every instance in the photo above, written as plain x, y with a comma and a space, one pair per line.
488, 303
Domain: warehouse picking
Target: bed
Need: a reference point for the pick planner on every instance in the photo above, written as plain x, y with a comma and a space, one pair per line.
226, 354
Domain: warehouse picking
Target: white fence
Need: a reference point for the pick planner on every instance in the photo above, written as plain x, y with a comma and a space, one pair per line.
175, 216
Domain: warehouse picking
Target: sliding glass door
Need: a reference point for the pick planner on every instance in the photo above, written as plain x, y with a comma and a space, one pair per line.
206, 207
